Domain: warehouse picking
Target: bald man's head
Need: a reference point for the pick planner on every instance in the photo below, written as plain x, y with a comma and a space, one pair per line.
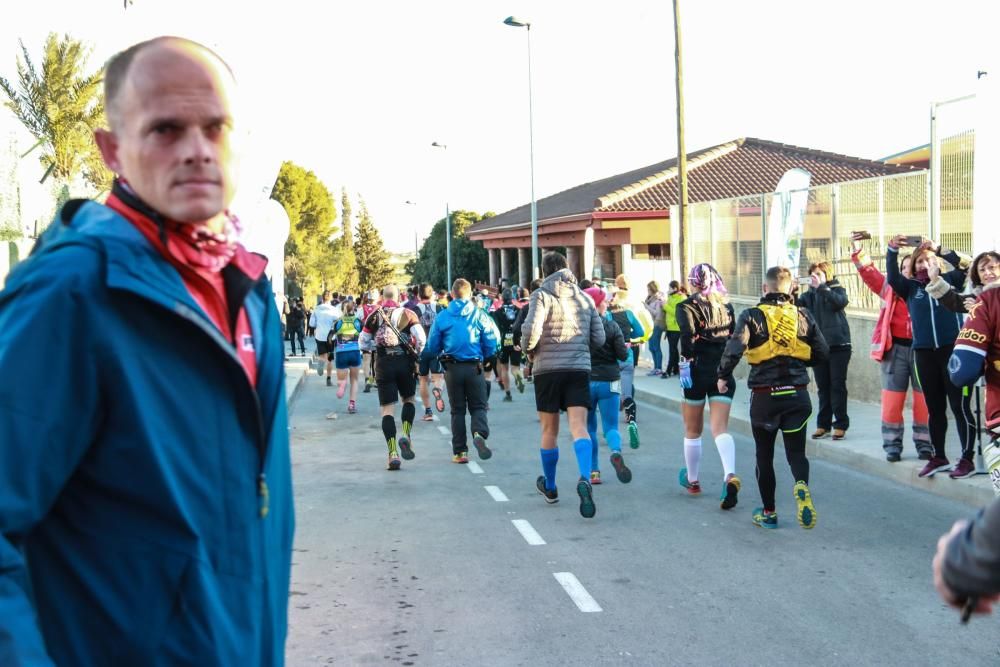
169, 104
116, 70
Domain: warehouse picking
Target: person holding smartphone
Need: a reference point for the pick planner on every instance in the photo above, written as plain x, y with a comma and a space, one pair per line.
934, 332
825, 300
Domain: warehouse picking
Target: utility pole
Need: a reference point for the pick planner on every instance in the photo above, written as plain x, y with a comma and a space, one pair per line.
681, 152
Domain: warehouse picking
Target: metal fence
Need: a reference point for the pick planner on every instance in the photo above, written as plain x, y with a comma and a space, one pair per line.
731, 233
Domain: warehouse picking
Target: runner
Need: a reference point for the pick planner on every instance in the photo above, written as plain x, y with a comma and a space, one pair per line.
395, 337
525, 300
559, 330
463, 336
639, 336
508, 357
347, 353
485, 303
427, 310
605, 390
321, 322
632, 331
780, 340
368, 306
706, 322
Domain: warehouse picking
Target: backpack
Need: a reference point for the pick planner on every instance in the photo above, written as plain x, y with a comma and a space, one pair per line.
427, 311
509, 312
385, 335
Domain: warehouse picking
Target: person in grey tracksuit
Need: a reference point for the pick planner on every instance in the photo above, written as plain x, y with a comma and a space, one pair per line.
559, 330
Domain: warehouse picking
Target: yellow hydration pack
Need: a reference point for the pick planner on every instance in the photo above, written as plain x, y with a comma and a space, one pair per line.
782, 335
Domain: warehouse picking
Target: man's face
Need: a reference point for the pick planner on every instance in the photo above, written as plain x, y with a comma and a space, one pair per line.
172, 126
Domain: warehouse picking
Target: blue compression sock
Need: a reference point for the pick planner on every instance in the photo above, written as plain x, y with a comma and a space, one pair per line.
549, 459
584, 453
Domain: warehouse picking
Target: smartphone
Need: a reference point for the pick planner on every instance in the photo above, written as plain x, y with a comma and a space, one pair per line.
860, 236
914, 241
805, 281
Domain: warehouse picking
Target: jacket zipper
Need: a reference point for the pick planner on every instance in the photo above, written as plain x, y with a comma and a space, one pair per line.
262, 491
930, 301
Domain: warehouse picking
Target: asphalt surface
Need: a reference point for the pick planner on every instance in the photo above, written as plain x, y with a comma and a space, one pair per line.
424, 567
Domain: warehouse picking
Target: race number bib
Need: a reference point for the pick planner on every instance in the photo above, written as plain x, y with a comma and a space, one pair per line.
508, 340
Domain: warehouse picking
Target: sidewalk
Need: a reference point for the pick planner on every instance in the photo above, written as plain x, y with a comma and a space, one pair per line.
861, 449
296, 369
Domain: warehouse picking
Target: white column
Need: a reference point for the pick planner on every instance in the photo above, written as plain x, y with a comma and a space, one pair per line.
505, 261
524, 266
588, 252
573, 260
494, 255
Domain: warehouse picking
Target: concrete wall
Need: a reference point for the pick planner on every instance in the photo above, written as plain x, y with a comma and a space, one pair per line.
863, 382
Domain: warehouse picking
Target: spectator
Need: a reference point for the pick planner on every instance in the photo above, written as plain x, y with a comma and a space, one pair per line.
825, 300
892, 347
934, 332
296, 326
654, 303
676, 296
984, 270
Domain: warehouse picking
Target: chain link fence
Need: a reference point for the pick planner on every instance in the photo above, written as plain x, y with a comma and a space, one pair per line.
730, 233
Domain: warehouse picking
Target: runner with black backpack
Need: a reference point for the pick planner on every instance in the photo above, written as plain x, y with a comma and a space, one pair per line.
396, 338
427, 310
508, 358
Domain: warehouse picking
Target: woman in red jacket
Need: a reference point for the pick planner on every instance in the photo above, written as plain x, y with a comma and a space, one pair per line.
891, 347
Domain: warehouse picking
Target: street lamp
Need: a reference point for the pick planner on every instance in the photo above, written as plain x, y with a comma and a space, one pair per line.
447, 226
416, 247
515, 22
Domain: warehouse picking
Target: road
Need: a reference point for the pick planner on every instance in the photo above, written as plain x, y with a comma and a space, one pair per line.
425, 566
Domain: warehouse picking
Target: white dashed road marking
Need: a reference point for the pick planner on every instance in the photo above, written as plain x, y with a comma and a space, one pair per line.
577, 592
444, 430
529, 534
474, 468
496, 494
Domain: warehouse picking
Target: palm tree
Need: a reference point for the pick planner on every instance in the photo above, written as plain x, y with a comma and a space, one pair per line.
60, 106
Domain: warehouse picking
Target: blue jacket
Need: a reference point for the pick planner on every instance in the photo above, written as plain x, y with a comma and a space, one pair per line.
145, 485
462, 331
934, 326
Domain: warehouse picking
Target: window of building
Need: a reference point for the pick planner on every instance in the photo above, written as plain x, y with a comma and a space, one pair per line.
655, 251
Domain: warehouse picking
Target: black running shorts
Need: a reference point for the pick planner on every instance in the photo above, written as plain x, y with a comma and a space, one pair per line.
784, 408
322, 347
430, 366
559, 390
509, 356
395, 378
704, 377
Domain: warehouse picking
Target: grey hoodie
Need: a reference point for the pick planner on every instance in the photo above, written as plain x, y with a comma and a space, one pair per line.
561, 327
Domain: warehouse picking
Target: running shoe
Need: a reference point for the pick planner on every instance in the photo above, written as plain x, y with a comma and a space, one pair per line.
341, 387
730, 491
479, 442
964, 468
621, 470
438, 399
839, 433
551, 495
654, 373
805, 511
461, 457
763, 519
351, 408
519, 381
587, 507
428, 415
820, 433
508, 398
368, 387
595, 477
633, 434
394, 462
893, 457
693, 488
329, 383
406, 449
934, 464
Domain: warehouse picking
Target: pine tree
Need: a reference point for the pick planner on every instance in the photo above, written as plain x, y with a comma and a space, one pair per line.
347, 238
371, 257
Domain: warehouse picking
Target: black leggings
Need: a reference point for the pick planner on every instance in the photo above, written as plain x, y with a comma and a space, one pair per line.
939, 392
795, 452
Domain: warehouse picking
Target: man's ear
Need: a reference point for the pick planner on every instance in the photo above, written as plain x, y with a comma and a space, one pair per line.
108, 145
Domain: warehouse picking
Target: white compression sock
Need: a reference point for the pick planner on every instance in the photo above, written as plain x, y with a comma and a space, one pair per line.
692, 457
727, 452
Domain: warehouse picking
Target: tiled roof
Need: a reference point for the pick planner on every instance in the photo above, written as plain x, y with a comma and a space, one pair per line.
734, 169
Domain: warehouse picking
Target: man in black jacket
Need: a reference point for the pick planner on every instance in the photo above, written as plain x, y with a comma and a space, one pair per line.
780, 341
826, 300
295, 322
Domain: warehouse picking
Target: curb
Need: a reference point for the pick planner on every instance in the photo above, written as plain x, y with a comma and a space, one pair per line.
969, 491
295, 377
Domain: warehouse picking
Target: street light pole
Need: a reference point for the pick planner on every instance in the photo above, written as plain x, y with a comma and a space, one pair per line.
681, 153
416, 246
447, 226
521, 23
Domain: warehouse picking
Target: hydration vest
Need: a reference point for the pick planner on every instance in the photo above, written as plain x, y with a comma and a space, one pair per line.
348, 330
782, 335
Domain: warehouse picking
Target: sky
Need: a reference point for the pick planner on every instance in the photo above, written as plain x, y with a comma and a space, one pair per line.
358, 91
